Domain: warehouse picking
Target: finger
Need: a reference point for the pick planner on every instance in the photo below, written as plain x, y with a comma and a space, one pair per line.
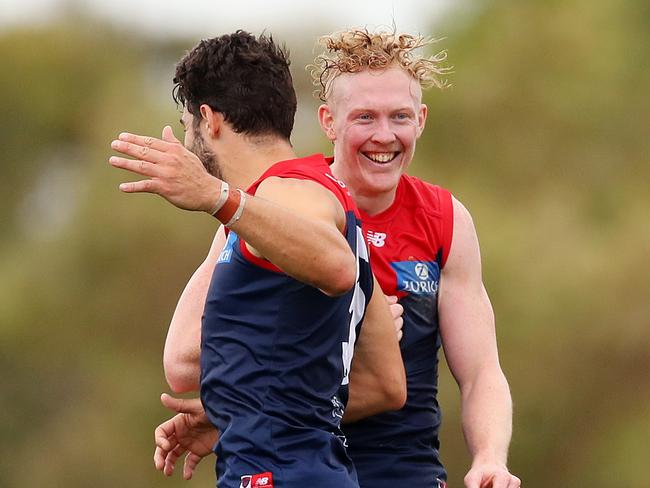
400, 334
142, 186
168, 135
472, 480
391, 299
172, 457
164, 435
514, 482
138, 166
500, 480
191, 461
399, 323
181, 405
144, 141
487, 481
396, 310
159, 458
139, 152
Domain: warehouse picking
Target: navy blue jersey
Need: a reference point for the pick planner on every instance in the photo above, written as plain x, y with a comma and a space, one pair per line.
409, 244
274, 352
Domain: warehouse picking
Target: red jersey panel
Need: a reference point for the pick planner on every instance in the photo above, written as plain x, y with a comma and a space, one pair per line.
409, 244
417, 227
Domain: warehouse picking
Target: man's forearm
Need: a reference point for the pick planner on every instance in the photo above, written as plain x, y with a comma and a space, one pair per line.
487, 418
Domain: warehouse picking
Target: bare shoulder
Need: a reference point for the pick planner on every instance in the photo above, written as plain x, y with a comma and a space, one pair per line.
464, 254
462, 218
305, 197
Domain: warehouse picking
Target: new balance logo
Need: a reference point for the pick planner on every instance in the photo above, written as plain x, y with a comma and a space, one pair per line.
377, 239
260, 480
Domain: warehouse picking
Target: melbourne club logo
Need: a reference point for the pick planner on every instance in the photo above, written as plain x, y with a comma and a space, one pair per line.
377, 239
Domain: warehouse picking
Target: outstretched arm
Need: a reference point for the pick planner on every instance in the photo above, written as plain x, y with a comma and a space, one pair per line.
377, 377
295, 224
469, 340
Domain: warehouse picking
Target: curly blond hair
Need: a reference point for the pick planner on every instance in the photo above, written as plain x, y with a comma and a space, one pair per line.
356, 49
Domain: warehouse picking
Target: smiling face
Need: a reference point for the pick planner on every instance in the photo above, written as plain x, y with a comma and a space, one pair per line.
374, 119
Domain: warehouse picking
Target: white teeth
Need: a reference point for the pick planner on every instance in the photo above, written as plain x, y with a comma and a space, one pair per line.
380, 157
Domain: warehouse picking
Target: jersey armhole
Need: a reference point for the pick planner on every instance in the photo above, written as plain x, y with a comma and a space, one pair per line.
257, 261
447, 210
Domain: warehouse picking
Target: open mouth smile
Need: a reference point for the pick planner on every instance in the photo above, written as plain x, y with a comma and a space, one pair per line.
381, 157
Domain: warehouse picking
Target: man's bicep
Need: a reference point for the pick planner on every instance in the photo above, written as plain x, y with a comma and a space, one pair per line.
465, 311
305, 198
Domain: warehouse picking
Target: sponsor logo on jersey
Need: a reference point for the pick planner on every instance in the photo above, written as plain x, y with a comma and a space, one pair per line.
260, 480
377, 239
226, 253
417, 277
338, 409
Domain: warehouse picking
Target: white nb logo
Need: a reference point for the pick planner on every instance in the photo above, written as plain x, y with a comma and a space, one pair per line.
376, 238
422, 270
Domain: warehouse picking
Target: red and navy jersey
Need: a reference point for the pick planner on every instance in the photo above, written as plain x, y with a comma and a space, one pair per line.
274, 353
409, 244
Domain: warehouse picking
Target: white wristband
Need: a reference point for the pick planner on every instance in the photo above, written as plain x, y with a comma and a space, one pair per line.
239, 210
223, 196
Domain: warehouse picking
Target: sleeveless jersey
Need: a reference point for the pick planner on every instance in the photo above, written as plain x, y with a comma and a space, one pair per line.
409, 244
274, 353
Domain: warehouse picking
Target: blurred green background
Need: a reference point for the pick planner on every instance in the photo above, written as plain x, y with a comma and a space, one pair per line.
544, 136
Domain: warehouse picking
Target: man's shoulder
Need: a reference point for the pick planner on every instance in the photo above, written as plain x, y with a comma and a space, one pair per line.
306, 167
420, 193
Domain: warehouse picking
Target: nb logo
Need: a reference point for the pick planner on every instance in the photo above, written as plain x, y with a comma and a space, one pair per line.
376, 238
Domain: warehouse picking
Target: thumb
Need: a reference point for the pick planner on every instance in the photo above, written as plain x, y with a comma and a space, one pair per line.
168, 135
181, 405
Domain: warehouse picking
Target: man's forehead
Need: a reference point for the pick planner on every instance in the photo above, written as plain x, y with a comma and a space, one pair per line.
393, 85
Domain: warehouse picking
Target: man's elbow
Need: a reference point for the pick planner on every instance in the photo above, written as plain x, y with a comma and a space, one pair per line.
395, 393
341, 276
181, 376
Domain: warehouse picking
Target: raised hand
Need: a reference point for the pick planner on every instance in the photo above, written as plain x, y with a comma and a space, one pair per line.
173, 172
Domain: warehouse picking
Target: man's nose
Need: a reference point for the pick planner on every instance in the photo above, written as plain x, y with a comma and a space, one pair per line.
383, 133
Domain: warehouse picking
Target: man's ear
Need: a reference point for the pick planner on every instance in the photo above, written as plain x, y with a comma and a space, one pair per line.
212, 120
326, 121
422, 118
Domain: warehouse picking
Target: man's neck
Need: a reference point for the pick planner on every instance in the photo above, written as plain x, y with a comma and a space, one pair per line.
373, 204
369, 202
246, 162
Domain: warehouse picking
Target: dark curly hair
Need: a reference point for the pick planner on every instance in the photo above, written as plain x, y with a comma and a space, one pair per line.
245, 78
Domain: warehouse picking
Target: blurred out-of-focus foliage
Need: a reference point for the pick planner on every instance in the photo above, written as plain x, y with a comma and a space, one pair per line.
545, 136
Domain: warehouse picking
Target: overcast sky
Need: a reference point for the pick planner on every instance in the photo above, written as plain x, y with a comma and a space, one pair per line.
207, 17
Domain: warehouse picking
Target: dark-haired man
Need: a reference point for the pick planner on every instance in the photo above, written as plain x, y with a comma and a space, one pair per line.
292, 281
